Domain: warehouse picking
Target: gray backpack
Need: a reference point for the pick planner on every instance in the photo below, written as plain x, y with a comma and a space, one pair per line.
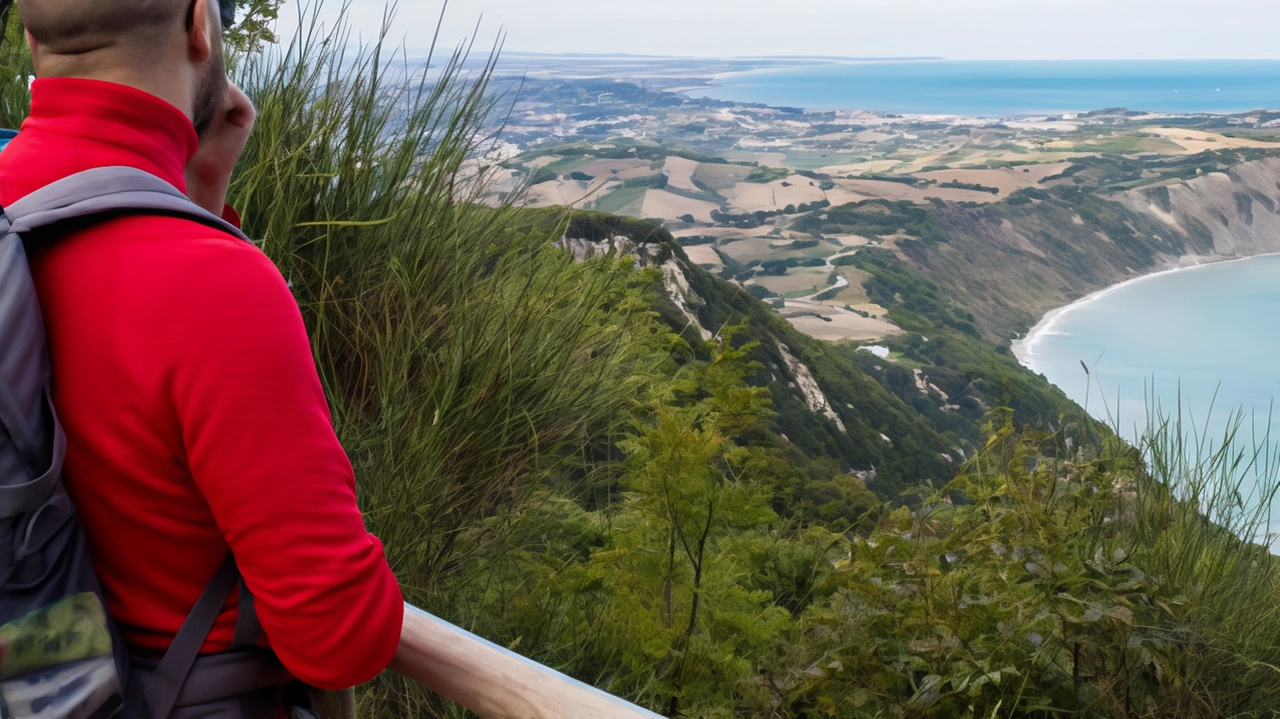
60, 654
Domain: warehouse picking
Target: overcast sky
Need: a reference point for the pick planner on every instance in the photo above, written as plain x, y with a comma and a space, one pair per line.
955, 29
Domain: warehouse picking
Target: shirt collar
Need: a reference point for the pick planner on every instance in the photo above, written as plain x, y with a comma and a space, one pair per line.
114, 124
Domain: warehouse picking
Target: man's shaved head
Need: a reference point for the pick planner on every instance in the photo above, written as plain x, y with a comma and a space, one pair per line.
136, 42
77, 26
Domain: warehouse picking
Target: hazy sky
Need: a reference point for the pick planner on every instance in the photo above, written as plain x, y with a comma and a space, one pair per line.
956, 29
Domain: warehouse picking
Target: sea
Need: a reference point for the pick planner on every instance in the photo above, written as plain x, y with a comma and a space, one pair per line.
1197, 345
1000, 89
1201, 337
1201, 344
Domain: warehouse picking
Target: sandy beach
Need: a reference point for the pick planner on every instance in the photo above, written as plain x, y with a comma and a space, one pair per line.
1025, 349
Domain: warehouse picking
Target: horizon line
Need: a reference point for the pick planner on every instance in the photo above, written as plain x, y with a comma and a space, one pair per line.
873, 58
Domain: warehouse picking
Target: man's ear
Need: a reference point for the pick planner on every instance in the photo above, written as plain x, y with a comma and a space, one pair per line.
31, 43
204, 22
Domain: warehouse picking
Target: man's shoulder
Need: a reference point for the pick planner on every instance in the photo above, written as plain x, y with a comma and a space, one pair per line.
176, 238
166, 256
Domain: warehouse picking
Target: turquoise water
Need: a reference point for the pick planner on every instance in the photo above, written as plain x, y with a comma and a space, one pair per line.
1209, 336
1001, 89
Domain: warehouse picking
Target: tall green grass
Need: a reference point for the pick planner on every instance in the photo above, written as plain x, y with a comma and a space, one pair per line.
466, 358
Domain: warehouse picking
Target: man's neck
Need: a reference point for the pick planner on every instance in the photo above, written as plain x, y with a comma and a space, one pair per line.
168, 84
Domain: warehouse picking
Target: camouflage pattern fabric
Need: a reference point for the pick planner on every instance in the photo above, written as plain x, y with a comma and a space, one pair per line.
58, 662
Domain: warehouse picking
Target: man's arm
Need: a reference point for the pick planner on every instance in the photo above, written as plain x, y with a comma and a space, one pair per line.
260, 445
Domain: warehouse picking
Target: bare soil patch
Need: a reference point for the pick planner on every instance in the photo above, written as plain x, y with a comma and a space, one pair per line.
752, 196
836, 324
1193, 141
670, 206
704, 255
1008, 179
719, 177
680, 174
797, 280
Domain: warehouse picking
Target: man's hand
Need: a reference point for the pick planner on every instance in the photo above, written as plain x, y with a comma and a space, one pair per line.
209, 172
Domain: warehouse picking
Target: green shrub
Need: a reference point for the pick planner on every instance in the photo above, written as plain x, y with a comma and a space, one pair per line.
765, 175
543, 175
773, 267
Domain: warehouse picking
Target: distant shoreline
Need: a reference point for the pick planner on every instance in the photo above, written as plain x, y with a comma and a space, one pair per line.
1024, 349
997, 90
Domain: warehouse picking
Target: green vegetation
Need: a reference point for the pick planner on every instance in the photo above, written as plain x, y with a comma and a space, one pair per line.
765, 175
599, 226
873, 218
571, 164
656, 182
619, 199
827, 294
900, 179
620, 149
557, 459
543, 175
956, 184
893, 285
692, 240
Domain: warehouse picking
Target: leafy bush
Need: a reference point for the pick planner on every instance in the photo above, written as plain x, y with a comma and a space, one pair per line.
692, 240
1076, 582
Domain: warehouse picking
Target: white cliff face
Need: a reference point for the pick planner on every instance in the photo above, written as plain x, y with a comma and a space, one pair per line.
1238, 210
808, 386
584, 249
673, 277
678, 289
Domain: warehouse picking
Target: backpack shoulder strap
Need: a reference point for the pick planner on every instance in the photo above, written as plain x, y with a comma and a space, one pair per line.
88, 196
107, 190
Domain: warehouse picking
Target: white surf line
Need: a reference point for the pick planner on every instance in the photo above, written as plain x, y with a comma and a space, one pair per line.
1024, 349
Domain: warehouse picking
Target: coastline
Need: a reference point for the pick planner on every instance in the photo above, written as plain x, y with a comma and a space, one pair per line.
1024, 348
1072, 85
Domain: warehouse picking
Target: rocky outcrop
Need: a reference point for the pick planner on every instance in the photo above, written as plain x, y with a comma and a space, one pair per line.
621, 245
677, 286
813, 396
673, 277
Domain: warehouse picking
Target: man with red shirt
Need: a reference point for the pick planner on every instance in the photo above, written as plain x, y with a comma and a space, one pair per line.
182, 371
197, 427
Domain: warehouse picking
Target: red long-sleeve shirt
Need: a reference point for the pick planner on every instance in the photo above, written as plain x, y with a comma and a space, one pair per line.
196, 421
